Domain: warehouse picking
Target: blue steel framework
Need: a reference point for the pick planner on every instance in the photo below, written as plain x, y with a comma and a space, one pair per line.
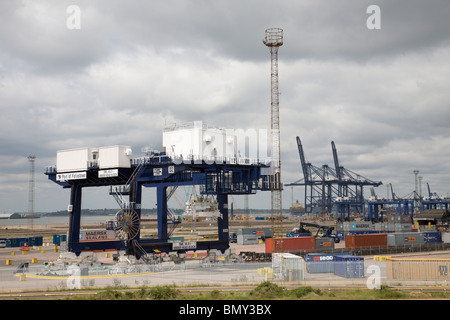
161, 172
326, 187
435, 204
404, 207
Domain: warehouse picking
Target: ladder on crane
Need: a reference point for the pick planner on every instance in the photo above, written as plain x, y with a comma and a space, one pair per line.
118, 192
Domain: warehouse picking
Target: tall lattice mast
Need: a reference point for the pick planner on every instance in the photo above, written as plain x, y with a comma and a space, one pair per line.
274, 40
31, 159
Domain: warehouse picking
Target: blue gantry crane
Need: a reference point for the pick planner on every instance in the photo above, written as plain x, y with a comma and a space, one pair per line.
220, 178
319, 182
433, 201
327, 188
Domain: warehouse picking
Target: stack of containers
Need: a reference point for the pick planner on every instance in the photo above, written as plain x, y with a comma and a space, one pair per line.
381, 227
353, 227
399, 223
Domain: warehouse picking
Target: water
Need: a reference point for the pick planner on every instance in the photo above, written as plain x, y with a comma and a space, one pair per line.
47, 221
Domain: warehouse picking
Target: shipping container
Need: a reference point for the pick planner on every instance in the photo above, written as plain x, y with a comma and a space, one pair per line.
290, 235
405, 238
247, 239
446, 237
19, 242
354, 226
418, 269
294, 244
399, 218
57, 238
324, 243
366, 240
321, 262
381, 227
262, 232
402, 227
360, 226
288, 267
348, 266
432, 237
363, 232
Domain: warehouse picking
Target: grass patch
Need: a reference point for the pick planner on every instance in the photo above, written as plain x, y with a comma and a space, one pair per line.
153, 293
385, 293
264, 291
301, 292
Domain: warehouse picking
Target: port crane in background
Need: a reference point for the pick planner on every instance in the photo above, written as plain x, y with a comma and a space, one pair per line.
377, 208
320, 185
434, 201
327, 188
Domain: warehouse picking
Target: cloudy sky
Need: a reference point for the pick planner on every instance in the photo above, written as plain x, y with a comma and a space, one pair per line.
381, 94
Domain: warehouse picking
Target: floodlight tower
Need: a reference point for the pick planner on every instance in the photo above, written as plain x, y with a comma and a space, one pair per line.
31, 159
274, 40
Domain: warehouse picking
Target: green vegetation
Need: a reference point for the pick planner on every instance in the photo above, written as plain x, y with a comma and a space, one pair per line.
153, 293
264, 291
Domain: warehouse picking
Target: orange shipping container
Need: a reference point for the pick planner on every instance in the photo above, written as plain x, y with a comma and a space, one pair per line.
366, 240
294, 244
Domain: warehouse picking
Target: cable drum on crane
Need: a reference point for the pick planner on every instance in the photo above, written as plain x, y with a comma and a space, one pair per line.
126, 224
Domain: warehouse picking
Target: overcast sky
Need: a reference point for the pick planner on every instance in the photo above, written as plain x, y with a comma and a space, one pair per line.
382, 95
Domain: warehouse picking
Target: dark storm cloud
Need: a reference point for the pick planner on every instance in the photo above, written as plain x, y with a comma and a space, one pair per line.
380, 94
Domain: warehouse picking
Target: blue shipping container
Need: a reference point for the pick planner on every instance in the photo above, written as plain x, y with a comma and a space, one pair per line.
348, 266
321, 262
432, 237
58, 238
364, 232
300, 235
18, 242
